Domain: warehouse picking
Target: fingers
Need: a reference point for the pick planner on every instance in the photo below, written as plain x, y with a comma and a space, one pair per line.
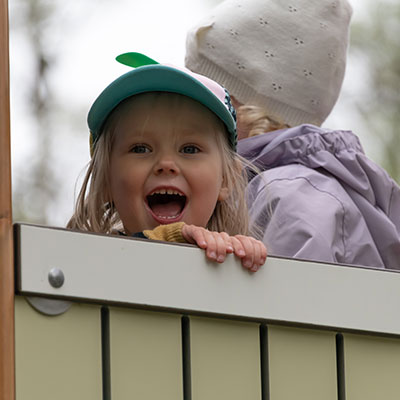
217, 245
252, 252
195, 235
228, 241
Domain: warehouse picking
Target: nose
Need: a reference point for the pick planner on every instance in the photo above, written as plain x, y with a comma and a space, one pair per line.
166, 165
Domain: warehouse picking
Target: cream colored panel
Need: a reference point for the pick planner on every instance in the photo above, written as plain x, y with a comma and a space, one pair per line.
372, 368
146, 355
58, 357
225, 360
302, 364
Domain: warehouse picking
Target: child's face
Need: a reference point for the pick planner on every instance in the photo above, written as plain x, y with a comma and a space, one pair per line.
165, 162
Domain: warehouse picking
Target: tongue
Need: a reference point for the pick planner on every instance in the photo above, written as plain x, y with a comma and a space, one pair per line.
170, 209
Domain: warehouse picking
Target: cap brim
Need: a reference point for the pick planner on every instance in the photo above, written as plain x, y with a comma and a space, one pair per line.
155, 78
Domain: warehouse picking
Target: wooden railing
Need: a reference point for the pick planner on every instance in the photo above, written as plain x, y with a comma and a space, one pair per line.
6, 244
153, 320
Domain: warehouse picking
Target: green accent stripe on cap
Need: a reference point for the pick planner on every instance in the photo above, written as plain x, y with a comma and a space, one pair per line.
135, 59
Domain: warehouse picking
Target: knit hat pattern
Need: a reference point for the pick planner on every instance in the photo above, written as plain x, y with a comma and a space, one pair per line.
288, 57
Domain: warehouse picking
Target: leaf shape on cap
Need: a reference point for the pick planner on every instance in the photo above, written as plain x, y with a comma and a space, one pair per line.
135, 59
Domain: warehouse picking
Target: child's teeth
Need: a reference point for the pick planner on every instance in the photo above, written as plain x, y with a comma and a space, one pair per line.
167, 191
170, 217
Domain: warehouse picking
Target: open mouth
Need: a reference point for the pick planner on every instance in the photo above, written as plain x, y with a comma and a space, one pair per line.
166, 205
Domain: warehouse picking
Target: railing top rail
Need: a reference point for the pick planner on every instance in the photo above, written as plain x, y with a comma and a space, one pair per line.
177, 278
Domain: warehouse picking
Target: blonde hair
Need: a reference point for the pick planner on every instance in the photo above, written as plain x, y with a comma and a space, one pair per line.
255, 120
94, 209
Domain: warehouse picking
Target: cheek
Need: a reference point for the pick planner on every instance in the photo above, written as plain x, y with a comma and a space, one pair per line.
211, 183
123, 187
120, 181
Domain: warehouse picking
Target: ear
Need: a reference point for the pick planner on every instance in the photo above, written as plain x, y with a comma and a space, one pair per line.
223, 193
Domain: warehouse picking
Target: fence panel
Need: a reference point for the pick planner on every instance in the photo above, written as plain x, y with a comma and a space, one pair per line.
302, 364
372, 367
225, 360
58, 357
145, 355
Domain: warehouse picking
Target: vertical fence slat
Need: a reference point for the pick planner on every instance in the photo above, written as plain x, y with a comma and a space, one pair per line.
302, 364
225, 359
58, 357
372, 366
145, 355
7, 377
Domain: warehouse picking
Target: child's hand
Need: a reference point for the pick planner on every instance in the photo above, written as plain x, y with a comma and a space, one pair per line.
218, 244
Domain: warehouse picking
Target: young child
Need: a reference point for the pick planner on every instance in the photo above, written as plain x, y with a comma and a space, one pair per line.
164, 164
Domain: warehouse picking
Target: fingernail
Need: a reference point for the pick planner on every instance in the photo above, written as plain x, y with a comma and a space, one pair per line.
212, 255
220, 259
247, 264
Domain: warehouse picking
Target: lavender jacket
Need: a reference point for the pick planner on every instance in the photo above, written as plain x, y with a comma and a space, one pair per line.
320, 198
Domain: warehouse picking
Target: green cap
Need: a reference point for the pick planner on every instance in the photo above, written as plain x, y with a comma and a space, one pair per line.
150, 76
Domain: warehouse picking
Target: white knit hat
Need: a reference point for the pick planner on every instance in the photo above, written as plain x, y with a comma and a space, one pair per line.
288, 57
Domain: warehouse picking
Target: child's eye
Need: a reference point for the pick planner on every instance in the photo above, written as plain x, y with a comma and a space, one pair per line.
140, 148
190, 149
